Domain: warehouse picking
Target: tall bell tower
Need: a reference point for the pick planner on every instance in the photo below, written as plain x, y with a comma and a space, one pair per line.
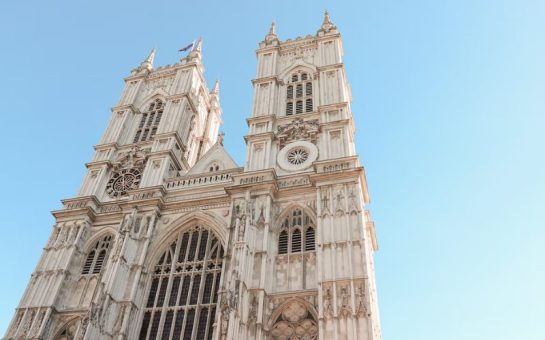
303, 238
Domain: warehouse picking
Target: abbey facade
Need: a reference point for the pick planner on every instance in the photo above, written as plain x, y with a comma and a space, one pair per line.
168, 238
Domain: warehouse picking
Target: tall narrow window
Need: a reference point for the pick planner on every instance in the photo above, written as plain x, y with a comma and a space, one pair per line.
289, 108
97, 256
283, 242
297, 233
149, 122
299, 107
184, 288
308, 105
302, 85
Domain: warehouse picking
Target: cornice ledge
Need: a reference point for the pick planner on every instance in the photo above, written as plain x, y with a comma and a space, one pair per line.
265, 79
256, 119
125, 107
258, 136
93, 164
106, 146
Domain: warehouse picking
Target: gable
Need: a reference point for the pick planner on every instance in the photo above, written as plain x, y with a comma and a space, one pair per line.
217, 156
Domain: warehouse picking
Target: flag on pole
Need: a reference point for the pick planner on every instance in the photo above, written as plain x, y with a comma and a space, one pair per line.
186, 48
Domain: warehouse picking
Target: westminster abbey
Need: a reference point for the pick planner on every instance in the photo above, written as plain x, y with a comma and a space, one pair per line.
168, 238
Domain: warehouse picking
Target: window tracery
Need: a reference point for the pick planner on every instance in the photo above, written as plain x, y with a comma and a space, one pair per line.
97, 256
295, 323
297, 233
301, 84
182, 299
147, 128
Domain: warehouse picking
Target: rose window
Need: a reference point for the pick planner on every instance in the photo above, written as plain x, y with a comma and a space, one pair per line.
123, 181
297, 155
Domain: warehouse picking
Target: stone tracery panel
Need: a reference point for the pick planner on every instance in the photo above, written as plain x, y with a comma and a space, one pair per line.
181, 303
294, 323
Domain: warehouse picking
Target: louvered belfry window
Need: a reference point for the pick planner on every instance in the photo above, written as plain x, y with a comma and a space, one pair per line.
97, 256
299, 94
297, 233
147, 128
182, 299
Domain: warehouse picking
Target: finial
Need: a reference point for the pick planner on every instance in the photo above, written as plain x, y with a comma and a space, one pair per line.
271, 37
221, 135
195, 51
272, 30
151, 56
327, 19
216, 89
327, 25
147, 64
198, 45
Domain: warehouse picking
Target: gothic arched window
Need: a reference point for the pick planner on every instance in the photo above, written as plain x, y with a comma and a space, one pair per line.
97, 256
149, 122
302, 100
182, 299
297, 233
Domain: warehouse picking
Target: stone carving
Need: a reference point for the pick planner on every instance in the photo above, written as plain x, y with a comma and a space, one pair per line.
252, 313
344, 308
352, 202
339, 201
298, 129
325, 202
328, 309
134, 158
127, 172
229, 302
295, 323
28, 322
361, 309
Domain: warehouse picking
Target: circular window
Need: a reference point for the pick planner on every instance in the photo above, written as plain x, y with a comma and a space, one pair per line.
123, 181
298, 155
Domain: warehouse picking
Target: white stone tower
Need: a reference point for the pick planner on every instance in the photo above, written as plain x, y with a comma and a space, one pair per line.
169, 239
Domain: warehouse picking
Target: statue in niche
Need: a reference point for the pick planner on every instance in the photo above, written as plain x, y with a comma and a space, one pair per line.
360, 297
345, 302
325, 202
328, 311
339, 206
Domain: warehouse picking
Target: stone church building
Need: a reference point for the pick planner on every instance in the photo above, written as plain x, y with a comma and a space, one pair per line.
168, 238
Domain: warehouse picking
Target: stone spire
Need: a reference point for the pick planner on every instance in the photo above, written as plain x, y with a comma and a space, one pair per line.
271, 38
272, 30
147, 64
215, 95
327, 25
216, 89
196, 51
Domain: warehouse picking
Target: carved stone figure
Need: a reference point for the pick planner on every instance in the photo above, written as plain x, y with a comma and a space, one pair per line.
345, 302
328, 310
298, 129
360, 297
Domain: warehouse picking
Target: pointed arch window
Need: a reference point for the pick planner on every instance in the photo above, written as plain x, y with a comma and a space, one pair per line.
181, 302
97, 256
147, 128
301, 84
297, 233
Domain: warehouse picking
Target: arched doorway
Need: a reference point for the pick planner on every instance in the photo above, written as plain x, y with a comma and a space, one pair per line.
181, 302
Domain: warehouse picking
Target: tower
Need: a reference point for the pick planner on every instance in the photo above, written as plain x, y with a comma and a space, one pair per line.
168, 238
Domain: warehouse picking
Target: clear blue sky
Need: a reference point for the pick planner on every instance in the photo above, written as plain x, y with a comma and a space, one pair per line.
449, 102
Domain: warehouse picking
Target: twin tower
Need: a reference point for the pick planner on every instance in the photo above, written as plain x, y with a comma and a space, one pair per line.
168, 238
